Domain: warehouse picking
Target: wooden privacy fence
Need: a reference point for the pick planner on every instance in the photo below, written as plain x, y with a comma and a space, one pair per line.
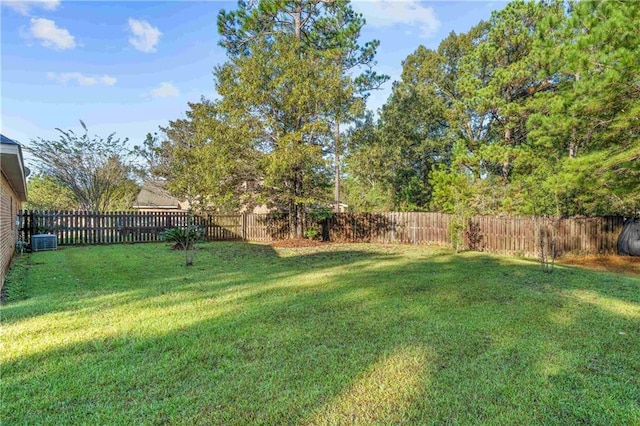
520, 235
82, 227
513, 235
87, 228
394, 227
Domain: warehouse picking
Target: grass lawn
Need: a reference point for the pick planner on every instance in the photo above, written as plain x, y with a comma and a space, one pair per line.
337, 334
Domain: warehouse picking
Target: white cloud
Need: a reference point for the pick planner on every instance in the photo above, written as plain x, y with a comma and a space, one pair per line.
81, 79
385, 13
24, 7
165, 90
51, 35
107, 80
145, 36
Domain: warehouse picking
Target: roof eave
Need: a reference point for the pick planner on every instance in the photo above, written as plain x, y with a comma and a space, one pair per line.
12, 166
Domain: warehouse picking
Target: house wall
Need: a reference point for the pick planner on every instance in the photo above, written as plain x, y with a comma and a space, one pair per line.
9, 207
157, 210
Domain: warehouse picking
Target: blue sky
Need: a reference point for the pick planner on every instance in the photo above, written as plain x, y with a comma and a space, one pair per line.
129, 67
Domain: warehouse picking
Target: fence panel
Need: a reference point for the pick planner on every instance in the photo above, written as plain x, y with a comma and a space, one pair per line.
513, 235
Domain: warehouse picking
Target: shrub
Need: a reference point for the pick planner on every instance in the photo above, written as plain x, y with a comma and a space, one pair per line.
183, 238
311, 233
316, 217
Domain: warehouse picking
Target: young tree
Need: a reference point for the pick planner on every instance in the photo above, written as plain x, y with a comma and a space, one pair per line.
94, 169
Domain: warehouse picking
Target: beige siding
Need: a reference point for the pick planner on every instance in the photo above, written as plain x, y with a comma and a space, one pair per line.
9, 206
157, 210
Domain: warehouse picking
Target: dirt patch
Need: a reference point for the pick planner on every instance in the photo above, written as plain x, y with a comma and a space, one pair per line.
612, 263
298, 242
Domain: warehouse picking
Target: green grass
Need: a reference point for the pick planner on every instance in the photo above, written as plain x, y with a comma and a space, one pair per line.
341, 334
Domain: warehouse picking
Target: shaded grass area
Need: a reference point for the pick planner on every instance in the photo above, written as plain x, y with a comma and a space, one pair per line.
338, 334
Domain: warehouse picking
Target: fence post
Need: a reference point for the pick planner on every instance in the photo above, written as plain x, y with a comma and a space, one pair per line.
244, 226
32, 225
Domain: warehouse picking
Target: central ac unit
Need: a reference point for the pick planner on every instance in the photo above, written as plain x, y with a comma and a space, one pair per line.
42, 242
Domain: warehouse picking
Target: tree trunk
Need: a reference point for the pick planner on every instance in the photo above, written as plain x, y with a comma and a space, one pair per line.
573, 144
296, 210
292, 219
506, 165
299, 221
297, 20
336, 167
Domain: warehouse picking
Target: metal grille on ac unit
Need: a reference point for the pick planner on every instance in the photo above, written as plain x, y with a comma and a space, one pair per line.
43, 242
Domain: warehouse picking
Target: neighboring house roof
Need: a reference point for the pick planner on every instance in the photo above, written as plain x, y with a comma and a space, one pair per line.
154, 195
12, 166
6, 140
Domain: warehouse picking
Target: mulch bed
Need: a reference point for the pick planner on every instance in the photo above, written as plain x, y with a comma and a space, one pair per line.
611, 263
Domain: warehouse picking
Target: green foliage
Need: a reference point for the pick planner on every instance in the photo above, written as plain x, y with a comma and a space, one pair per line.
453, 187
456, 230
184, 238
292, 74
311, 233
366, 196
331, 29
209, 158
281, 96
590, 126
368, 186
316, 217
319, 214
123, 196
322, 44
45, 193
545, 99
398, 152
454, 193
97, 171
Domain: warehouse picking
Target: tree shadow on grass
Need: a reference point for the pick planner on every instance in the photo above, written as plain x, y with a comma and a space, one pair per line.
88, 277
465, 339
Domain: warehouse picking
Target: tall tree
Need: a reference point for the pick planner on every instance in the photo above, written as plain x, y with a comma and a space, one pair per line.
591, 126
96, 170
205, 159
329, 27
541, 103
339, 31
416, 129
281, 96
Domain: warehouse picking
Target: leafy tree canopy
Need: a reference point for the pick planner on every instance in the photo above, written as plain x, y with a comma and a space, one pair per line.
541, 103
97, 171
